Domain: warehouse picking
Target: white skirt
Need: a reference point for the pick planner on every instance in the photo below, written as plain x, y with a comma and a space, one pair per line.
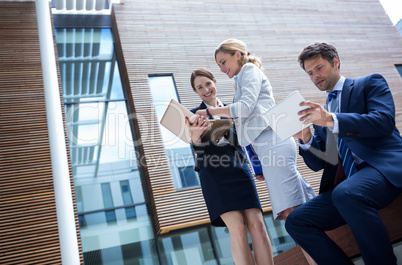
286, 187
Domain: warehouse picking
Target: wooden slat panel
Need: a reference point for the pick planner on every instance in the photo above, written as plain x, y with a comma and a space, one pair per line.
177, 37
28, 220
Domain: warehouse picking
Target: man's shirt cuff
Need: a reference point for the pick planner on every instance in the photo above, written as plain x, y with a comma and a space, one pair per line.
334, 129
307, 145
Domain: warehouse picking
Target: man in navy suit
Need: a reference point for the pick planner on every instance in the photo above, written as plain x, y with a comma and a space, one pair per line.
357, 144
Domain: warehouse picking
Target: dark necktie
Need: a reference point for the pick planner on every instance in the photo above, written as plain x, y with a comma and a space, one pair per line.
345, 154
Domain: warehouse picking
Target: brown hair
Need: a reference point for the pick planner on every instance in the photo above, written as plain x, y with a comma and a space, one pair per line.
201, 72
326, 50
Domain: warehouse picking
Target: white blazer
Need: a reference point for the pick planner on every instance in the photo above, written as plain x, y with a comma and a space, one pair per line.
253, 97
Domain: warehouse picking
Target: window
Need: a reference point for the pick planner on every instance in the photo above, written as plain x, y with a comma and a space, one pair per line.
190, 247
78, 199
399, 68
188, 176
103, 158
221, 238
280, 239
108, 202
127, 199
180, 155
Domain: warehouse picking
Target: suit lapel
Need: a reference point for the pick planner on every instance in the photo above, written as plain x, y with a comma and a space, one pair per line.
346, 91
202, 105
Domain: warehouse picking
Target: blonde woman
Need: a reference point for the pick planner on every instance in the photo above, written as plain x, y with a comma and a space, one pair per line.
253, 97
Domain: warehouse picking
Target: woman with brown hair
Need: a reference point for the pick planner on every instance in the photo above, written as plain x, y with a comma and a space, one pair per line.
226, 181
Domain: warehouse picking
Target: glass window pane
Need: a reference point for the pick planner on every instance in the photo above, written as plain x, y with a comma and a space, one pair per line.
188, 176
221, 239
110, 216
88, 66
107, 195
101, 233
399, 68
102, 152
127, 199
125, 191
280, 239
130, 212
191, 247
179, 153
100, 139
81, 220
134, 253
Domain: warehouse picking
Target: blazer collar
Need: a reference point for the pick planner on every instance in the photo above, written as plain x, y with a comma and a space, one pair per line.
202, 105
346, 91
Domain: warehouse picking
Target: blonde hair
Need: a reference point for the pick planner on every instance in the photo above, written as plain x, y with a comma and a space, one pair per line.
230, 46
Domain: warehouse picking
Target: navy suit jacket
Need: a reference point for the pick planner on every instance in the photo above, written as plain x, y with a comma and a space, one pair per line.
367, 126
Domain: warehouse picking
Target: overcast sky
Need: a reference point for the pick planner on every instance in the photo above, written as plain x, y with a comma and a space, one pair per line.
393, 9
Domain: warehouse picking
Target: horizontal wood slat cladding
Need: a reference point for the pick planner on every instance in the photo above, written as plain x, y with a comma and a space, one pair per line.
28, 219
177, 37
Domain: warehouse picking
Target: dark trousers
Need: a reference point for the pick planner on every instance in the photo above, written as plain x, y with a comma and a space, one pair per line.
354, 201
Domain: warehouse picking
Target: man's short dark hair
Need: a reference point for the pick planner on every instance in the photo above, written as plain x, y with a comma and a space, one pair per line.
326, 50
